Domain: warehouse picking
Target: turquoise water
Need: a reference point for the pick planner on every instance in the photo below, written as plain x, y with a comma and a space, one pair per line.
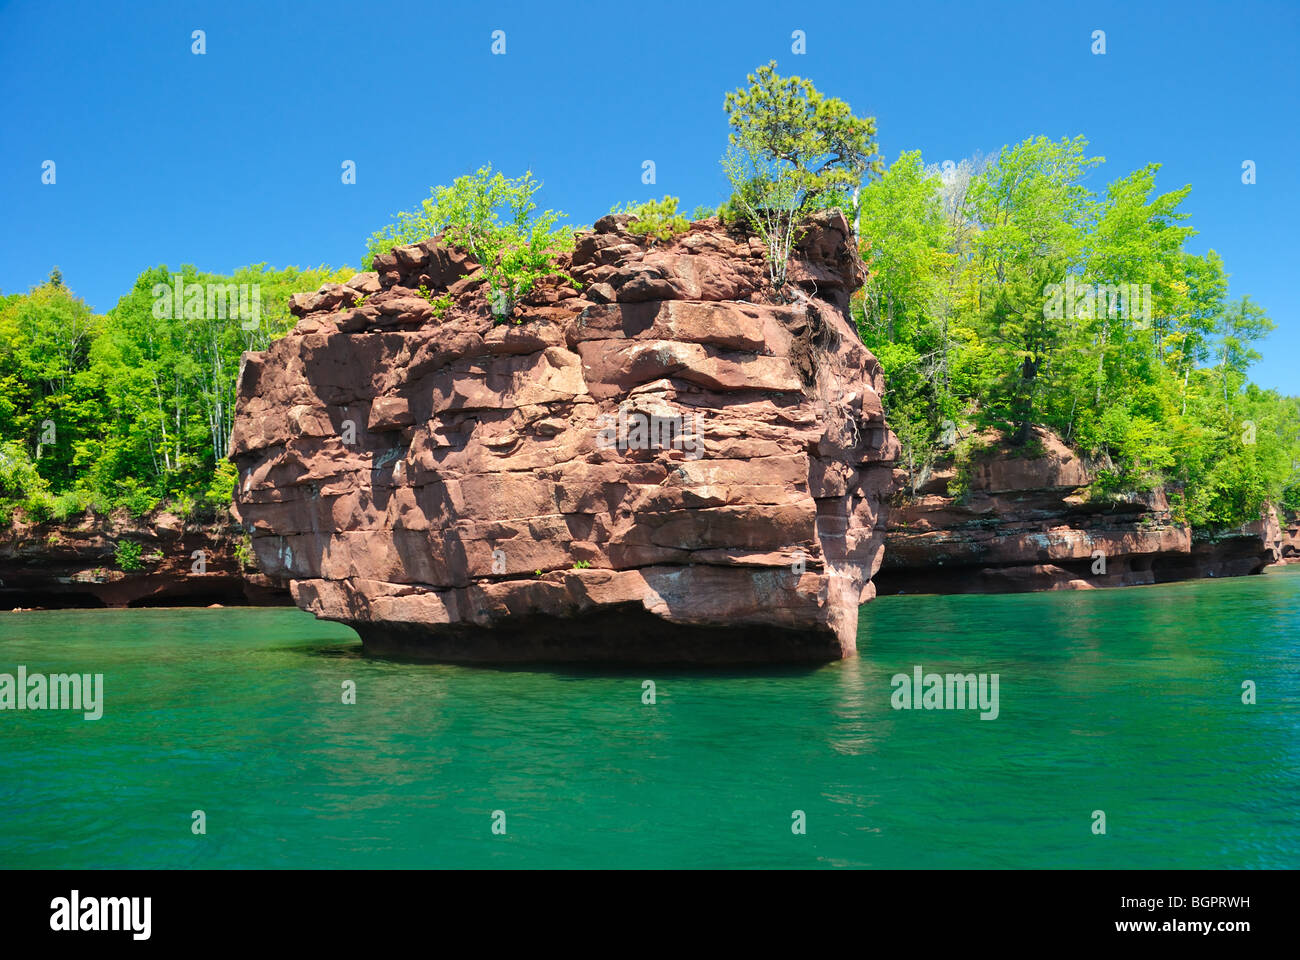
1126, 701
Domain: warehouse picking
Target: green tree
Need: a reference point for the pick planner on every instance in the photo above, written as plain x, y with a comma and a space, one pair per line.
657, 219
45, 341
1239, 327
135, 407
1034, 213
491, 217
902, 311
791, 149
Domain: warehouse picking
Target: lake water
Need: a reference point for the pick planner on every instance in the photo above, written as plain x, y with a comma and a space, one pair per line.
1124, 701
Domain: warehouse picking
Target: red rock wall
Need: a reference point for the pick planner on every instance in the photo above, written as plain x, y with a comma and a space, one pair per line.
73, 563
1027, 523
1289, 539
498, 500
1281, 531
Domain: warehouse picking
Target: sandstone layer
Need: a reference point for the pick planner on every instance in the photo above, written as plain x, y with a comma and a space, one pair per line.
663, 461
73, 563
1288, 538
1025, 523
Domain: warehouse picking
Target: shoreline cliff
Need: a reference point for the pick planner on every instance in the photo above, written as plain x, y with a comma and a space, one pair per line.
157, 560
1023, 518
653, 336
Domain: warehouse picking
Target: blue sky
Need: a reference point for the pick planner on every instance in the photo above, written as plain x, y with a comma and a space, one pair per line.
234, 157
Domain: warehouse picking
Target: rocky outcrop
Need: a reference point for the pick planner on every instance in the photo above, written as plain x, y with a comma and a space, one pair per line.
1283, 527
75, 563
1028, 522
662, 461
1289, 539
1234, 552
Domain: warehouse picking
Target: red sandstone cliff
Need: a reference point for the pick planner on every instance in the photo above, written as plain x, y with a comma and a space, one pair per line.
673, 464
1287, 537
1028, 523
73, 563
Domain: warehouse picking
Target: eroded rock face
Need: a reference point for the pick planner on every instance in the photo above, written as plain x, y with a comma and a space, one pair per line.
1288, 538
73, 563
662, 464
1027, 523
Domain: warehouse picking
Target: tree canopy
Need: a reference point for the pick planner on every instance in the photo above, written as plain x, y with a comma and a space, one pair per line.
1010, 295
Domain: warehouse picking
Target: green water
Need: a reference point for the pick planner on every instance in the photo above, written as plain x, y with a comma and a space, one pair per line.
1126, 701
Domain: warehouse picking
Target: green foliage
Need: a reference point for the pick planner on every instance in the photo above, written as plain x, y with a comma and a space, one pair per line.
657, 219
491, 217
767, 201
135, 407
70, 503
45, 343
38, 508
440, 303
244, 553
903, 309
991, 302
128, 556
139, 501
221, 490
792, 150
22, 488
581, 564
815, 140
19, 477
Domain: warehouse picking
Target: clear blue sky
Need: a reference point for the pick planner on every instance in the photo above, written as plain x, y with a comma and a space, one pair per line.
234, 157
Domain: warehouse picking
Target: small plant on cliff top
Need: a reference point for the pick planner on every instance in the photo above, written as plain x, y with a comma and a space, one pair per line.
70, 503
656, 219
964, 452
38, 507
244, 553
221, 491
441, 304
127, 555
491, 217
184, 506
